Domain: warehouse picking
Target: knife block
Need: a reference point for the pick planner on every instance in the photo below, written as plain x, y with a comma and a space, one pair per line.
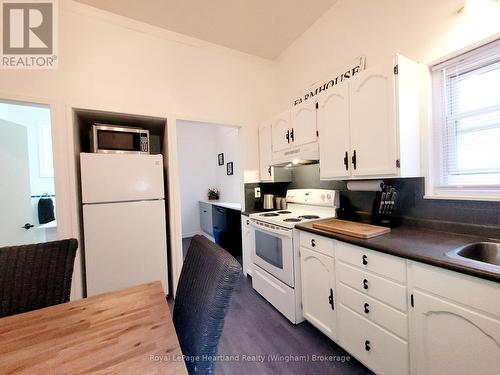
385, 219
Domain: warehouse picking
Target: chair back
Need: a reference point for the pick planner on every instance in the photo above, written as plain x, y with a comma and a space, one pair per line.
35, 276
208, 277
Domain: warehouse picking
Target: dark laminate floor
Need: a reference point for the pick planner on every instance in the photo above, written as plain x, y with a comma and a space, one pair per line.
254, 327
185, 247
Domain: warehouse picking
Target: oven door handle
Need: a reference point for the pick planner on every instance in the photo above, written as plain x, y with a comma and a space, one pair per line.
279, 232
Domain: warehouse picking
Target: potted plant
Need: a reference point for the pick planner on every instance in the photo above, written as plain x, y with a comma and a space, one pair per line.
213, 194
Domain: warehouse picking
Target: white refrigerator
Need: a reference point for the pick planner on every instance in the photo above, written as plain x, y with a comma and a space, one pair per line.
123, 221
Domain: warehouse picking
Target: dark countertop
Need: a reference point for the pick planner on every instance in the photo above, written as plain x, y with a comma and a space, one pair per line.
422, 245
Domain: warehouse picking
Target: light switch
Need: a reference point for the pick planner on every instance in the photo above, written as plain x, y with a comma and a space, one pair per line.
257, 192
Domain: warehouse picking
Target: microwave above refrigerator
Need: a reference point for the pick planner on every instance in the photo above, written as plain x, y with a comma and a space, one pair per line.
114, 139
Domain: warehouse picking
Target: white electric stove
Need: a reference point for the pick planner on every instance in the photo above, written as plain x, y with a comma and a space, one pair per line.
275, 255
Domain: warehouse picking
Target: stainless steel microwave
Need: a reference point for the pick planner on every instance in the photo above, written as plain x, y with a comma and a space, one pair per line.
119, 139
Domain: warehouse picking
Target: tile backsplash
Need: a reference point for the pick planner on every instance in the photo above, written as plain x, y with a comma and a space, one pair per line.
473, 217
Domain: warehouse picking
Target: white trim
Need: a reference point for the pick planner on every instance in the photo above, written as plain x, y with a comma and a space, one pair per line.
463, 197
433, 154
464, 50
62, 153
175, 191
192, 234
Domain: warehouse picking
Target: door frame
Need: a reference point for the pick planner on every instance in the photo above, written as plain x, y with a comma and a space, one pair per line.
65, 181
61, 152
174, 189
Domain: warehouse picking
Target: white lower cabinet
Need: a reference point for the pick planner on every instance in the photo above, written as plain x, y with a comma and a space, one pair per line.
451, 339
318, 276
397, 316
455, 323
379, 350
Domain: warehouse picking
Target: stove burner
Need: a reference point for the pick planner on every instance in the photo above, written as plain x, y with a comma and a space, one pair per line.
284, 212
269, 214
309, 217
293, 220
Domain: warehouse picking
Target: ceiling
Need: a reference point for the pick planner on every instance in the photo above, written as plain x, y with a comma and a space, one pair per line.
258, 27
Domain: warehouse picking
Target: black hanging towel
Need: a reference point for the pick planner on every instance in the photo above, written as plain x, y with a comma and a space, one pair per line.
45, 210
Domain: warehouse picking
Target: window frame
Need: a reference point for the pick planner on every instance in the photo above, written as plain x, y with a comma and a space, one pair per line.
437, 152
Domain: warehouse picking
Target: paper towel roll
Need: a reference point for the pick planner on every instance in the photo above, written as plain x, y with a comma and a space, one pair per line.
369, 185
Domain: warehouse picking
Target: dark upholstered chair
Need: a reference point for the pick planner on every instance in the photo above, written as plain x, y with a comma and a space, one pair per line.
35, 276
208, 277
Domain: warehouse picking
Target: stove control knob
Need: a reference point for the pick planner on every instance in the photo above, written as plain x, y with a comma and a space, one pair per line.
322, 197
329, 197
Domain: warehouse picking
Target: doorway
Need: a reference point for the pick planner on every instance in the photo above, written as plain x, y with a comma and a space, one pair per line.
209, 159
27, 186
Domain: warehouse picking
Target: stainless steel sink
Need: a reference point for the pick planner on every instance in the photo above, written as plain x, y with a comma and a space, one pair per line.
486, 254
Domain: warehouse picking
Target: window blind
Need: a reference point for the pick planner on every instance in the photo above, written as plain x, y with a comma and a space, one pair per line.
467, 119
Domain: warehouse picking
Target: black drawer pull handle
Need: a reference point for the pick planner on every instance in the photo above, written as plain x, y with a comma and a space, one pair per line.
365, 260
367, 345
367, 308
365, 284
313, 243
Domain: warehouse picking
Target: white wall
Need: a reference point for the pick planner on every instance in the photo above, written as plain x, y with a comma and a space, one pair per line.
34, 118
228, 142
196, 145
422, 30
108, 62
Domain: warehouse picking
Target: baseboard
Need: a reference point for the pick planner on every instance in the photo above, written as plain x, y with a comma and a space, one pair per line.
192, 234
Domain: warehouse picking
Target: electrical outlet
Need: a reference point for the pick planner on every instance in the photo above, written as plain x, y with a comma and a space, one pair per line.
257, 192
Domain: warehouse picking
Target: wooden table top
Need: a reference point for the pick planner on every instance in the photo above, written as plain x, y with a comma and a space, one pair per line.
129, 331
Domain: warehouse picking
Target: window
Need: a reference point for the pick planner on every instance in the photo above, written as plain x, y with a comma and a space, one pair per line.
466, 124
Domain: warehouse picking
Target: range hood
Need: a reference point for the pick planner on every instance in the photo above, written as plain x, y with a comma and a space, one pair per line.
296, 163
297, 156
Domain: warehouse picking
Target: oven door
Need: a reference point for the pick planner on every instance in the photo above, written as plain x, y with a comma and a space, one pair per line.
273, 251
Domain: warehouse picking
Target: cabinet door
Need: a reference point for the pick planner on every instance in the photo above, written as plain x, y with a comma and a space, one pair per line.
206, 218
317, 272
265, 153
450, 339
247, 238
333, 126
373, 122
303, 129
281, 132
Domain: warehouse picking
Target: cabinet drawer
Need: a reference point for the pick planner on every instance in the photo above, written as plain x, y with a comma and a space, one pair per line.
372, 285
317, 243
375, 311
380, 263
379, 350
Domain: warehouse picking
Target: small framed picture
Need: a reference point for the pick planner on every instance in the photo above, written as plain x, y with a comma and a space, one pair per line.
230, 168
220, 157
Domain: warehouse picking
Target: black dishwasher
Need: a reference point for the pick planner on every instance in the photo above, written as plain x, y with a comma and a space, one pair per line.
228, 223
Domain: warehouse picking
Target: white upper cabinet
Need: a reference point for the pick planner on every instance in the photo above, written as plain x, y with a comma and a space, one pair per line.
303, 129
281, 127
265, 151
373, 122
374, 118
295, 135
269, 173
333, 127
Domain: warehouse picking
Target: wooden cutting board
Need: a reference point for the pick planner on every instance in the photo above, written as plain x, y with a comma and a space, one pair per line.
351, 228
